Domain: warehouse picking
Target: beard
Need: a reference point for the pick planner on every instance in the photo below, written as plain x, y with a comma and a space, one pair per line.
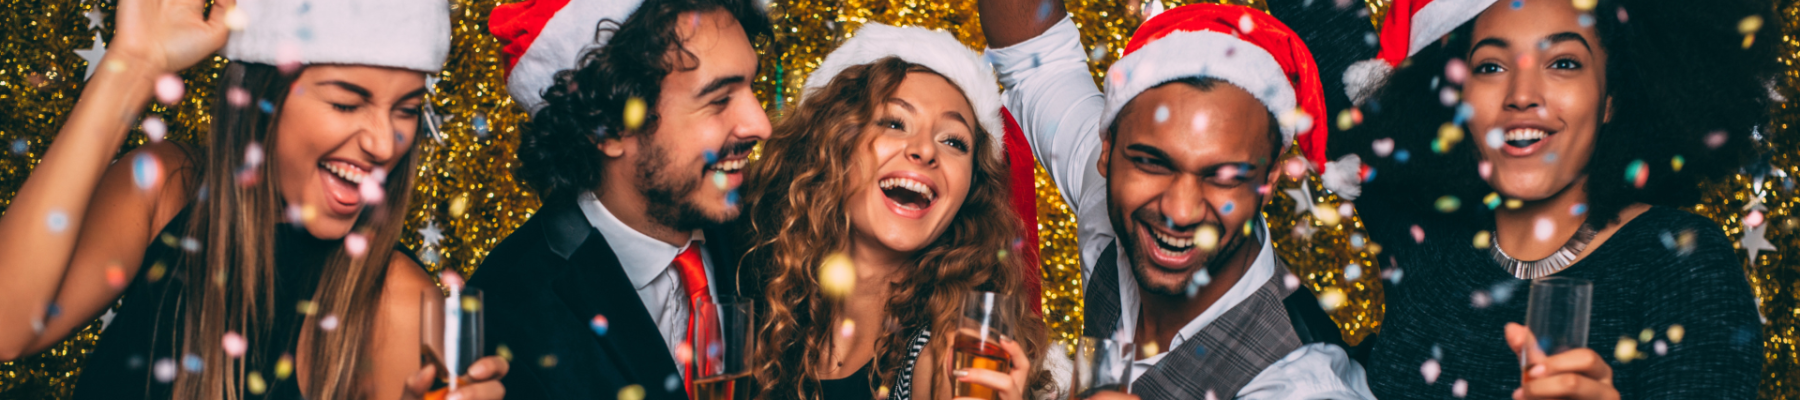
670, 191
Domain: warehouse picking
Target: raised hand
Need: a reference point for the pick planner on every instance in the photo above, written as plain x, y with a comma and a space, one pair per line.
482, 382
168, 35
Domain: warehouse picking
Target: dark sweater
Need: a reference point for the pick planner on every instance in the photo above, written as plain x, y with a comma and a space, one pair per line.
1639, 283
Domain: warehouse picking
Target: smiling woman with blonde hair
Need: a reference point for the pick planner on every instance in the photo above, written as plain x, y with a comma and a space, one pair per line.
893, 160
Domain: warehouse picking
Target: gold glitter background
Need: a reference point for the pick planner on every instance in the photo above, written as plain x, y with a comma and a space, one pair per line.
466, 188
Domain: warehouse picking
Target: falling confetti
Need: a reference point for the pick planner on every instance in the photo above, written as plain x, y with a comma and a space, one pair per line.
57, 221
1514, 204
1207, 237
1483, 239
154, 128
370, 189
598, 324
548, 361
1198, 280
1715, 139
328, 323
837, 275
1162, 113
233, 343
1480, 299
1495, 138
1460, 389
458, 205
146, 171
672, 382
306, 307
1350, 118
284, 367
168, 89
1430, 371
1383, 146
1543, 228
1393, 275
684, 354
1448, 204
634, 113
1578, 209
1449, 134
847, 329
192, 363
630, 392
1149, 349
1676, 332
255, 383
1418, 234
1485, 169
115, 276
1492, 200
1331, 299
1637, 173
504, 352
237, 97
1749, 25
471, 304
356, 244
1677, 162
1626, 350
165, 370
1353, 272
1755, 218
1661, 347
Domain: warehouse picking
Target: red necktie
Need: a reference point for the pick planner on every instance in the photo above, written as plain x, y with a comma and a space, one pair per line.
703, 319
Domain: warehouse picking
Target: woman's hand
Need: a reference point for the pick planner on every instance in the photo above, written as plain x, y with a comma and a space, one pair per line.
168, 35
1573, 374
482, 382
1009, 385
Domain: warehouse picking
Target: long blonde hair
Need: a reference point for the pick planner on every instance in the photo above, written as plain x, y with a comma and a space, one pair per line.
229, 283
795, 195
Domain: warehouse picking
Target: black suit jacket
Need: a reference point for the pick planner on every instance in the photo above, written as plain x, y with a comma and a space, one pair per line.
542, 287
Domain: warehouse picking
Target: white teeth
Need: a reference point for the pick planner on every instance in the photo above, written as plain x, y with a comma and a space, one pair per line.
1525, 134
905, 183
731, 166
1173, 241
345, 170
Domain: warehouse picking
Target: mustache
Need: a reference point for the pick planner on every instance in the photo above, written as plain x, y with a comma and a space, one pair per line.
732, 149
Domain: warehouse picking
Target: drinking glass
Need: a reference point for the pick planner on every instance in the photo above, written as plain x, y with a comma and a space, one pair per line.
451, 333
1101, 365
1557, 317
986, 321
724, 359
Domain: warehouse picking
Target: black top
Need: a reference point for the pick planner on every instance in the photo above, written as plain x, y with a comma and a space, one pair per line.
1452, 303
853, 387
544, 285
146, 331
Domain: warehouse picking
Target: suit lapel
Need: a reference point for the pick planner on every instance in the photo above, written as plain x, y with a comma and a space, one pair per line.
600, 287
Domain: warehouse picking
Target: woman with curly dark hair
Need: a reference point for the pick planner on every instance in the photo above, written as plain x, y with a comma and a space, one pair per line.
886, 166
1586, 128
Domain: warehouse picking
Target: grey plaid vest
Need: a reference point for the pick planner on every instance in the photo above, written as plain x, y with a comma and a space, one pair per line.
1224, 356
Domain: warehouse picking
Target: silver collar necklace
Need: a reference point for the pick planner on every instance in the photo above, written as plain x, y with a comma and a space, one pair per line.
1557, 261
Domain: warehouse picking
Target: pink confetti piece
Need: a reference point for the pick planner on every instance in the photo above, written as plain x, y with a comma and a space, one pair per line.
168, 89
234, 344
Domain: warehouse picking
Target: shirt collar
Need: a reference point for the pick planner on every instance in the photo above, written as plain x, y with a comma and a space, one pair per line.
643, 257
1261, 270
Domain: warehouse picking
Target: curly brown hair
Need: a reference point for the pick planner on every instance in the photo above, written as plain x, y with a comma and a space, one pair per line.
796, 195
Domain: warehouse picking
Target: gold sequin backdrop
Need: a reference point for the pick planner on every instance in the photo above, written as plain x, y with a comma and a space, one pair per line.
465, 189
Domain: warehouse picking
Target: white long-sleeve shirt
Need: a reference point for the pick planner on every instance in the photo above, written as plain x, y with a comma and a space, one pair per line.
1048, 88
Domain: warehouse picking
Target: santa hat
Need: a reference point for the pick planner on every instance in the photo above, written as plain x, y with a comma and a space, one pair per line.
1409, 26
542, 37
933, 49
1236, 44
409, 34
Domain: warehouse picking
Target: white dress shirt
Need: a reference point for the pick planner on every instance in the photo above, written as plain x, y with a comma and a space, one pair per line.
1049, 89
649, 264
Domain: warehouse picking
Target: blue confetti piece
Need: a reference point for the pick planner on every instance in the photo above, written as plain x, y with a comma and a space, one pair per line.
1437, 352
1402, 155
1464, 111
1043, 10
20, 146
57, 221
52, 311
134, 362
1549, 157
711, 157
481, 125
1199, 350
265, 106
1229, 206
192, 363
145, 170
1517, 4
1586, 20
1370, 177
1544, 344
731, 198
303, 33
672, 383
598, 324
1578, 209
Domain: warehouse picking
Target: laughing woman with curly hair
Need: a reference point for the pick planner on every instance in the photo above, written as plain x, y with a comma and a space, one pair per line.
886, 162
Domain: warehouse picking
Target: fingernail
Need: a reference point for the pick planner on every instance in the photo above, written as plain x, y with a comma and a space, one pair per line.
1537, 371
960, 373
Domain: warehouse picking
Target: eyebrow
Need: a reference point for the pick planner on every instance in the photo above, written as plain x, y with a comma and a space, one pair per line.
720, 83
959, 118
1552, 39
353, 88
1154, 152
903, 104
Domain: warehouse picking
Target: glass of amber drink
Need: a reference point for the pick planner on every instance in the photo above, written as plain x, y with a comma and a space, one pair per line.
986, 321
723, 360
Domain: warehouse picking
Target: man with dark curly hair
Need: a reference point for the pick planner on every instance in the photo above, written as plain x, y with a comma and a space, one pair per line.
642, 119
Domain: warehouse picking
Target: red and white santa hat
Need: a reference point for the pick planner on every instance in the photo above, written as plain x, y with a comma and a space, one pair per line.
1236, 44
933, 49
409, 34
1409, 26
542, 37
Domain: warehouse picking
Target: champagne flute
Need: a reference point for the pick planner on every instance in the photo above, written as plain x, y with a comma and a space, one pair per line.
986, 321
1101, 365
451, 335
724, 359
1558, 318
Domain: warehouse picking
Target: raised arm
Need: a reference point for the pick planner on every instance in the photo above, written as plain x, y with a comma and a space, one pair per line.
66, 220
1008, 22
